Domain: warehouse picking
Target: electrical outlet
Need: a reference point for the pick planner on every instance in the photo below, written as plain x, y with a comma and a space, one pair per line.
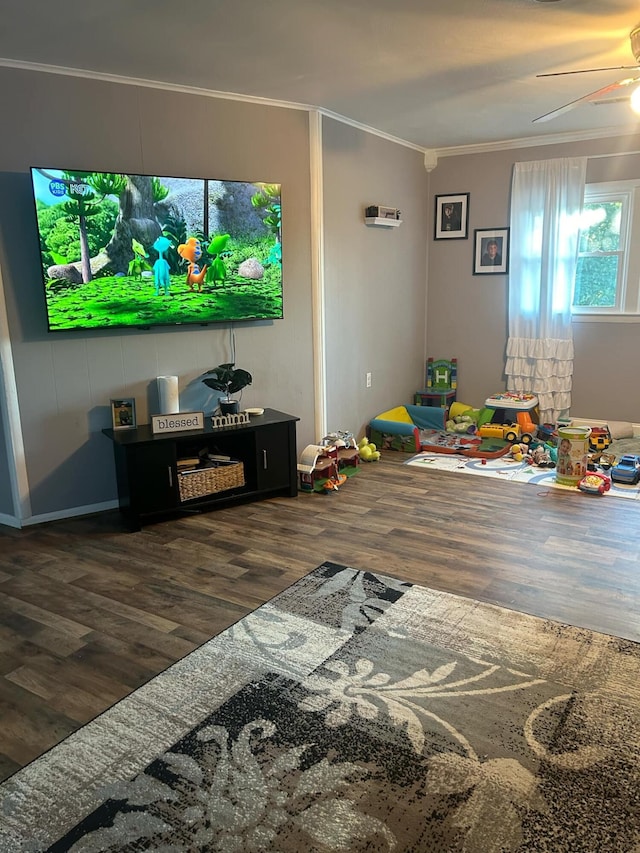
368, 380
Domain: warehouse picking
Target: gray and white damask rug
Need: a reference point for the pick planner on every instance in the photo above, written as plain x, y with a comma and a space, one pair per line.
355, 712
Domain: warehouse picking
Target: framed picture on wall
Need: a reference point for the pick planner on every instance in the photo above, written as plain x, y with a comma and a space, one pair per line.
491, 251
123, 413
452, 217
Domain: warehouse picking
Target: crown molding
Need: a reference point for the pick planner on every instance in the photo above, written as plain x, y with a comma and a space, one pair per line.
149, 84
195, 90
535, 141
446, 151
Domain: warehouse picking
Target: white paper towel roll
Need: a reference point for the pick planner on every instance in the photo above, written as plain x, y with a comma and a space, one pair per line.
168, 395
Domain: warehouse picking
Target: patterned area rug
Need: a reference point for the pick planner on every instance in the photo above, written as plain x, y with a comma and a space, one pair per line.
506, 468
355, 712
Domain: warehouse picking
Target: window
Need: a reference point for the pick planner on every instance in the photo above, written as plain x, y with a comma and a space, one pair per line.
608, 272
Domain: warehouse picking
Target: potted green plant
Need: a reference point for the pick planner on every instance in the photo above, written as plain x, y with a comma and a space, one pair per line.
229, 379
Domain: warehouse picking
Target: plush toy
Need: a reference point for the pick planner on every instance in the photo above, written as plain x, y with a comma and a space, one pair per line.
461, 423
368, 450
518, 452
541, 457
473, 415
457, 408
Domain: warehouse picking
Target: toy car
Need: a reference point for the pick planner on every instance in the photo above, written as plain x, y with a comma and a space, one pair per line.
627, 470
600, 438
507, 432
595, 483
547, 433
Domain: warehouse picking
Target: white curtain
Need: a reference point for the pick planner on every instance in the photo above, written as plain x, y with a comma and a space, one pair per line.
546, 203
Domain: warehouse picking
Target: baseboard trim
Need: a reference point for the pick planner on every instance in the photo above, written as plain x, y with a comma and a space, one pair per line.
73, 512
76, 512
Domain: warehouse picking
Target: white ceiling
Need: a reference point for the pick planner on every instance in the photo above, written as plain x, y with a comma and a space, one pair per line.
435, 73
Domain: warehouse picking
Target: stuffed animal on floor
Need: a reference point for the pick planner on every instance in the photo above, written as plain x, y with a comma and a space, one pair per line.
461, 423
368, 451
541, 457
518, 452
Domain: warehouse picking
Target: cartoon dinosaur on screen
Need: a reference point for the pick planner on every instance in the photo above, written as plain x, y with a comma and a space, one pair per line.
191, 251
161, 266
138, 264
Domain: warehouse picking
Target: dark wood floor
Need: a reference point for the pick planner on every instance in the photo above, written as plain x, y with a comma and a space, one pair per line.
89, 612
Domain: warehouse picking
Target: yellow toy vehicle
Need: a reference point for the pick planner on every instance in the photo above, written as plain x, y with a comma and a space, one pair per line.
600, 438
507, 432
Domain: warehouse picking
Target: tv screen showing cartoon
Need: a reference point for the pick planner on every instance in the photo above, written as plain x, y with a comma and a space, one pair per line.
121, 250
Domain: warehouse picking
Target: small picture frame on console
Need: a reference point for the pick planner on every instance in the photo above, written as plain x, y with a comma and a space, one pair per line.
123, 413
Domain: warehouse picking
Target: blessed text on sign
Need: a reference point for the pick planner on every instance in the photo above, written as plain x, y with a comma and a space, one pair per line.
182, 422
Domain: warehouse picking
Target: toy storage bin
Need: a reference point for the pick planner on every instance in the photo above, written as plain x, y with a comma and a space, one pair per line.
573, 454
208, 481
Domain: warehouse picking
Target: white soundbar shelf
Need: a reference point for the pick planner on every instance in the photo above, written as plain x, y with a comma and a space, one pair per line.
377, 220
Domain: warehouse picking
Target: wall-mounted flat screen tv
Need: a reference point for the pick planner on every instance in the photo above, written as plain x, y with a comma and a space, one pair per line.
120, 250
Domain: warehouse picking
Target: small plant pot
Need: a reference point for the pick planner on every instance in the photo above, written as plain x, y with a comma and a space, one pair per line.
229, 407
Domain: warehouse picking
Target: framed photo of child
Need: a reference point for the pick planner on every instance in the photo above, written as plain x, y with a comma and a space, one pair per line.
491, 251
123, 413
452, 217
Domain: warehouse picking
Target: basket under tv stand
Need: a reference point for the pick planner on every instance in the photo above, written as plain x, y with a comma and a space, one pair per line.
148, 472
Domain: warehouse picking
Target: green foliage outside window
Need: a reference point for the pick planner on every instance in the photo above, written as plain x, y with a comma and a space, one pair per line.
596, 279
599, 257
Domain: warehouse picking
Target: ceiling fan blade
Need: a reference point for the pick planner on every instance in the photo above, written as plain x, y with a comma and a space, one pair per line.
592, 96
589, 70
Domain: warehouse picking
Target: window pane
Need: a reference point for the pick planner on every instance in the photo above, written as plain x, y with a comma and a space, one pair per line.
596, 280
600, 226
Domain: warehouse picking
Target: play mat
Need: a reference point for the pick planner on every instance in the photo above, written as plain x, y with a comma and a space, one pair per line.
505, 468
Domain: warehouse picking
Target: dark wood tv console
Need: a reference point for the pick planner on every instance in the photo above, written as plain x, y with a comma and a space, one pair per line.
148, 474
